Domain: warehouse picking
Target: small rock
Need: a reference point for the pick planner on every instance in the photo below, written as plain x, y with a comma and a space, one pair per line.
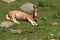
59, 33
54, 23
27, 6
8, 1
53, 39
52, 34
6, 24
15, 30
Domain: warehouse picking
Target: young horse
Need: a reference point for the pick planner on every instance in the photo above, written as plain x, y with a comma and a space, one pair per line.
15, 14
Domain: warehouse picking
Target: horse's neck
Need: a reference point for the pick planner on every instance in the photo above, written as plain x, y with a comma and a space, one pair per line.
32, 15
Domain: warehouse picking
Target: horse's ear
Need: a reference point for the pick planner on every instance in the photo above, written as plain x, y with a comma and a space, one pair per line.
34, 6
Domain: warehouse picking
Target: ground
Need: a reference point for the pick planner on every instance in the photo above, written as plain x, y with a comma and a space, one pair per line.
48, 13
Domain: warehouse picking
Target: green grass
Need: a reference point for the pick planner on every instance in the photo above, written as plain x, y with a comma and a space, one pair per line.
44, 31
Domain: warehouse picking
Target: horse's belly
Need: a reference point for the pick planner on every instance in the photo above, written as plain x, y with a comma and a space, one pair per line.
18, 16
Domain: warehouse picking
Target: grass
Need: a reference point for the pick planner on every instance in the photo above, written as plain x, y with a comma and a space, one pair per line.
44, 30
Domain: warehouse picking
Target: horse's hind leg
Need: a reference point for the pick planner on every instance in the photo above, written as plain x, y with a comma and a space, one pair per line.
14, 20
